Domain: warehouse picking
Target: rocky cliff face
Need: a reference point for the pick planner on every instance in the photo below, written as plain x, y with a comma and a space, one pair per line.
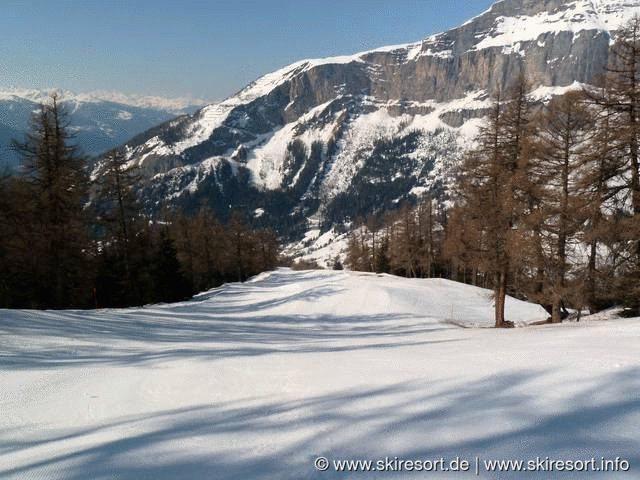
319, 142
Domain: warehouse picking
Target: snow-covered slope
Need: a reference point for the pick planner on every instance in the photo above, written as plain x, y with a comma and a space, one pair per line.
99, 120
574, 16
257, 380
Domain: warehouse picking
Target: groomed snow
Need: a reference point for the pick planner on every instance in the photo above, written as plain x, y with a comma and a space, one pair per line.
257, 380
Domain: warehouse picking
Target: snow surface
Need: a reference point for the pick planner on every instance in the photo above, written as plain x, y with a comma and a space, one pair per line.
256, 380
547, 93
266, 161
602, 15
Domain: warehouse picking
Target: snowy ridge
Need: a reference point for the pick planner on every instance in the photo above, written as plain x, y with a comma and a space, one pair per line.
266, 159
507, 32
603, 15
175, 105
266, 84
574, 17
356, 293
545, 94
213, 116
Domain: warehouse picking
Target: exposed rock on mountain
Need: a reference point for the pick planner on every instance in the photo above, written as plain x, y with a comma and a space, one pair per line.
320, 142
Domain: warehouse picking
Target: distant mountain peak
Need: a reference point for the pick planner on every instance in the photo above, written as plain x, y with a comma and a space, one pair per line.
99, 120
516, 21
174, 105
507, 23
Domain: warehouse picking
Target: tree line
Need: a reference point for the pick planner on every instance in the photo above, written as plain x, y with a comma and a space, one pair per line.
546, 205
407, 242
70, 241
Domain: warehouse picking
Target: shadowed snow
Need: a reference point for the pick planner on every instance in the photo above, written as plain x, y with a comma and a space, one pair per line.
256, 380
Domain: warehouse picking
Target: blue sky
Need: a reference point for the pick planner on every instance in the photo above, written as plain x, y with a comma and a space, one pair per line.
204, 49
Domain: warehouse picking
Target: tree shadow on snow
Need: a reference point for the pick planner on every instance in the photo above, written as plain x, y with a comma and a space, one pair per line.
497, 417
59, 339
234, 320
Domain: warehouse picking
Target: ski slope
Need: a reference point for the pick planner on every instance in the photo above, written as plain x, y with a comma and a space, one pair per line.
258, 380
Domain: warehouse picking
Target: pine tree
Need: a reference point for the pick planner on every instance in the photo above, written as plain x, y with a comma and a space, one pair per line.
382, 260
6, 210
169, 285
58, 186
117, 200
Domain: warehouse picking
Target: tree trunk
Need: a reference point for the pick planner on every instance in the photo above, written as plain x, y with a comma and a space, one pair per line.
500, 297
590, 287
556, 310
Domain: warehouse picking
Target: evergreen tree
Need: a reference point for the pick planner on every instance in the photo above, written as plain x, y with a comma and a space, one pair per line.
58, 186
382, 260
169, 285
6, 212
119, 217
337, 264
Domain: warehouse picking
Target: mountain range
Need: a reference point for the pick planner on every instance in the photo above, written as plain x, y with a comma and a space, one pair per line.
99, 120
312, 147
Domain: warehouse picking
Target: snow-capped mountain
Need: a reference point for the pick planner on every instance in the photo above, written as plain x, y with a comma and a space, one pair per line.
99, 120
319, 142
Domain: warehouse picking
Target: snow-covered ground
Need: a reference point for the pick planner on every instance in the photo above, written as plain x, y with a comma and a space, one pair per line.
257, 380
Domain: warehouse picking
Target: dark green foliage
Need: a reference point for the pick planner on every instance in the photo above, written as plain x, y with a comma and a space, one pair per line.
234, 191
180, 256
110, 290
382, 260
168, 283
14, 281
311, 166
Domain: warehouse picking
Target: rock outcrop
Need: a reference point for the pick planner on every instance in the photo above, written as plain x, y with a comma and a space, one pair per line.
320, 142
